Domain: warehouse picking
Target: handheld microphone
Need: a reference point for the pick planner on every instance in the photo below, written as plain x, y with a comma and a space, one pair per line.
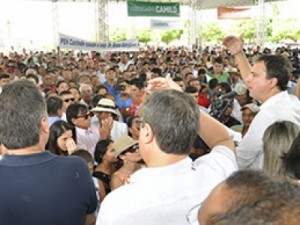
228, 95
239, 89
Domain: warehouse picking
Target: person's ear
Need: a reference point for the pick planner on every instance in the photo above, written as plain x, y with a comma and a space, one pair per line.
59, 112
273, 82
45, 125
73, 120
148, 133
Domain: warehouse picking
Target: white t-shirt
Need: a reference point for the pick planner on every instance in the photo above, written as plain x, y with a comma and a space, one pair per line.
280, 107
167, 194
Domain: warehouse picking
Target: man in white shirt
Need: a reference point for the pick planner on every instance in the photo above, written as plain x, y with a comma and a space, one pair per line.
172, 187
267, 82
124, 62
87, 136
101, 72
105, 111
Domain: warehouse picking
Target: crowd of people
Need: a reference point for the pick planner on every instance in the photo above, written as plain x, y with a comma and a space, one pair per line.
165, 136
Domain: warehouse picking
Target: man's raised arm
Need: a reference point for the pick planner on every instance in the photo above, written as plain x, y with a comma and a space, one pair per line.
235, 46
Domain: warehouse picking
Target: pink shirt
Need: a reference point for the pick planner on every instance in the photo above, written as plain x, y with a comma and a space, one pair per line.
87, 139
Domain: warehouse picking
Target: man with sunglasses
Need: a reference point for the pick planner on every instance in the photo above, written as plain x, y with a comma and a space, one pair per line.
172, 187
87, 136
68, 99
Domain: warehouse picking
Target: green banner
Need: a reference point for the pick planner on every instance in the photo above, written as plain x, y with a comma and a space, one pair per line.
153, 9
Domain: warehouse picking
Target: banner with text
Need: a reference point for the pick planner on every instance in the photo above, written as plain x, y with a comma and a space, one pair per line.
153, 9
162, 24
68, 42
225, 13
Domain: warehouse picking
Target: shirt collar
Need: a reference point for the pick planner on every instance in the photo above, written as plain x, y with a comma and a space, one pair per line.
27, 160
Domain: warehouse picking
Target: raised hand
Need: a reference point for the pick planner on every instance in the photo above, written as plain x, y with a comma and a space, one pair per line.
234, 44
162, 83
106, 126
71, 145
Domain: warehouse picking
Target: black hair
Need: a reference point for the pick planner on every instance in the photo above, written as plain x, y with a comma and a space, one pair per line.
4, 76
53, 103
137, 82
73, 110
96, 99
101, 149
213, 83
278, 67
56, 130
191, 90
85, 155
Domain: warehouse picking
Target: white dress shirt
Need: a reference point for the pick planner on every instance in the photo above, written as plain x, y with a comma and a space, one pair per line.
167, 195
280, 107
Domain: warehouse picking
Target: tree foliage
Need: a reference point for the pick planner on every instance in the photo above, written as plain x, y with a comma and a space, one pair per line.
286, 29
212, 32
118, 35
145, 36
171, 35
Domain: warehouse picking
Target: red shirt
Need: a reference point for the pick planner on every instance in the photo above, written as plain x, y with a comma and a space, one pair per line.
203, 100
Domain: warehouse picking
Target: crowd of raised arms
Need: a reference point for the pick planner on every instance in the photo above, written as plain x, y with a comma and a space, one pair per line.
207, 135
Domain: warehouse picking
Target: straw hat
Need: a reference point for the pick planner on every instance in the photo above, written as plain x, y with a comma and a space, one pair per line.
253, 107
122, 143
105, 105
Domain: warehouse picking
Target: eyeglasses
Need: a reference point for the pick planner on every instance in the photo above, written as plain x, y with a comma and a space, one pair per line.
69, 99
132, 149
102, 65
84, 116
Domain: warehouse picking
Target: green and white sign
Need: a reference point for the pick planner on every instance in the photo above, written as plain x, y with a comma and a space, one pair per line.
165, 25
153, 9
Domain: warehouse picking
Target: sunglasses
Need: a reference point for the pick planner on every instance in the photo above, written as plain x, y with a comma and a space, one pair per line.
69, 99
132, 149
84, 116
102, 65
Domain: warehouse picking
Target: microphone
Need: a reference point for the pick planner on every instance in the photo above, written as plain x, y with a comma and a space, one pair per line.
228, 95
239, 89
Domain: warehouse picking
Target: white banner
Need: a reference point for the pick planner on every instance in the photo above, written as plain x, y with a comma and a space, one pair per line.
68, 42
163, 24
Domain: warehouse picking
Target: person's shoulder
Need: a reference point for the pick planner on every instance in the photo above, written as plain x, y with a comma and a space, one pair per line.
112, 206
210, 74
72, 161
218, 153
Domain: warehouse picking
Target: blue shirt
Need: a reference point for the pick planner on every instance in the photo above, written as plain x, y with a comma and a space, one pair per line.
111, 90
122, 104
44, 188
53, 119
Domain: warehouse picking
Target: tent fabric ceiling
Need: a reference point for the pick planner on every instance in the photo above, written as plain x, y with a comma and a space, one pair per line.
209, 4
201, 4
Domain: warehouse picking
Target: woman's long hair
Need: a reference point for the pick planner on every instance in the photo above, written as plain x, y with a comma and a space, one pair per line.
56, 130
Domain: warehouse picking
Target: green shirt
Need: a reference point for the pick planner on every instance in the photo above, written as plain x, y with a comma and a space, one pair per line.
222, 78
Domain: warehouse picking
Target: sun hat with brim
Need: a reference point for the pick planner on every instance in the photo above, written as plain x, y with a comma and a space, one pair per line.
105, 105
122, 143
253, 107
233, 70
